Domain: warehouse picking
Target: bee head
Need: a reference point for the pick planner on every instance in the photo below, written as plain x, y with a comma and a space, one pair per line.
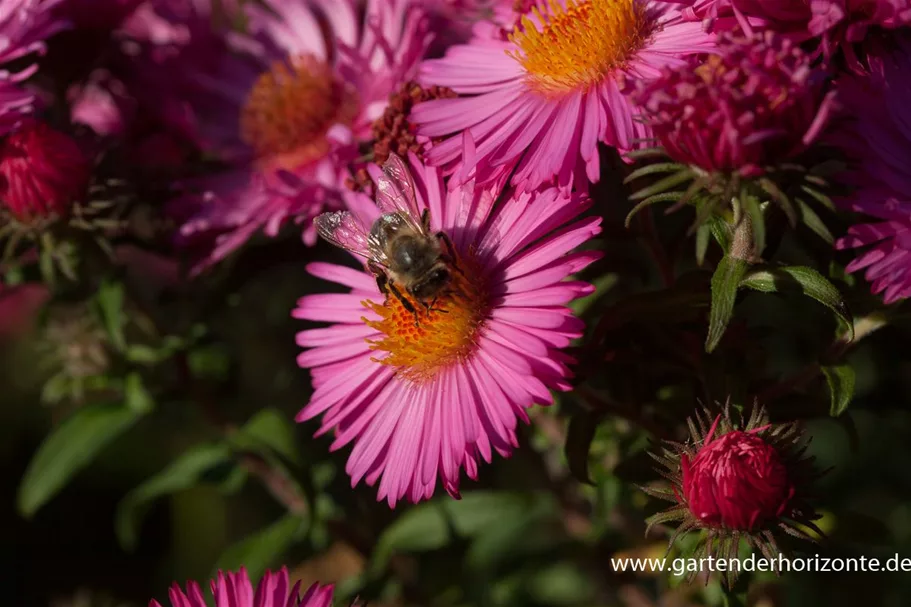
432, 283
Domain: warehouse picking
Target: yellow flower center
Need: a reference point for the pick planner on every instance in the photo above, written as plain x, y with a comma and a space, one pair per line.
445, 335
579, 43
289, 110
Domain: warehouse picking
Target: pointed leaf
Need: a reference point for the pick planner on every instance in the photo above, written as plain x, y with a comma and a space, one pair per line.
813, 221
725, 282
270, 428
663, 185
480, 511
109, 300
654, 199
71, 447
703, 236
184, 472
651, 169
803, 280
841, 380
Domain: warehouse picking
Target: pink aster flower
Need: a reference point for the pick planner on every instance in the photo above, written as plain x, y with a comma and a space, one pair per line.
547, 93
235, 590
425, 393
836, 24
285, 106
755, 103
880, 102
25, 25
97, 14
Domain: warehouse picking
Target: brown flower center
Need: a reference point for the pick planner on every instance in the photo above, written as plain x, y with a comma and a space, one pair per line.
289, 110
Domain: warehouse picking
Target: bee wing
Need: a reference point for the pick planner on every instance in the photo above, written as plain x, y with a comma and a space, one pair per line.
395, 192
343, 230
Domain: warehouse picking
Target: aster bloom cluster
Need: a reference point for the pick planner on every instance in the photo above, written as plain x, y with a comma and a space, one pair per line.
425, 201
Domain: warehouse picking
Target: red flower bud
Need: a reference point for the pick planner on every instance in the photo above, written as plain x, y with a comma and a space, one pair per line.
730, 482
737, 481
42, 171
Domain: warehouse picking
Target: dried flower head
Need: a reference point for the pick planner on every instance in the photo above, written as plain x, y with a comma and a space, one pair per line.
745, 482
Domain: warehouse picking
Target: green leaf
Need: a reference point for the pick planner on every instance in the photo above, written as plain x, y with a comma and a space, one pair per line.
69, 448
703, 236
655, 152
270, 428
109, 300
663, 185
479, 511
721, 232
420, 529
137, 397
184, 472
537, 529
725, 282
651, 169
264, 548
579, 437
812, 220
653, 199
841, 387
560, 584
801, 279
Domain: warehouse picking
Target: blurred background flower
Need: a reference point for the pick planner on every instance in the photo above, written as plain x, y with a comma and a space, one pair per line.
882, 147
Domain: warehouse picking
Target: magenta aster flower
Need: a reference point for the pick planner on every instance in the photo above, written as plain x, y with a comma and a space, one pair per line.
25, 25
235, 590
882, 184
426, 394
544, 96
284, 106
755, 103
97, 14
836, 24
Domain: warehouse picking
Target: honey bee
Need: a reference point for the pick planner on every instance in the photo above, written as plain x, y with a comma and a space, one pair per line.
402, 251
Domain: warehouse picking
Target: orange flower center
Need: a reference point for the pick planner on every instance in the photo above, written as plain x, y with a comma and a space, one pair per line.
445, 335
289, 110
579, 44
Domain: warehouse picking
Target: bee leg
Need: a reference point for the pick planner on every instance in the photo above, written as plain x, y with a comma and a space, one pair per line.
405, 303
450, 256
381, 279
425, 220
433, 302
